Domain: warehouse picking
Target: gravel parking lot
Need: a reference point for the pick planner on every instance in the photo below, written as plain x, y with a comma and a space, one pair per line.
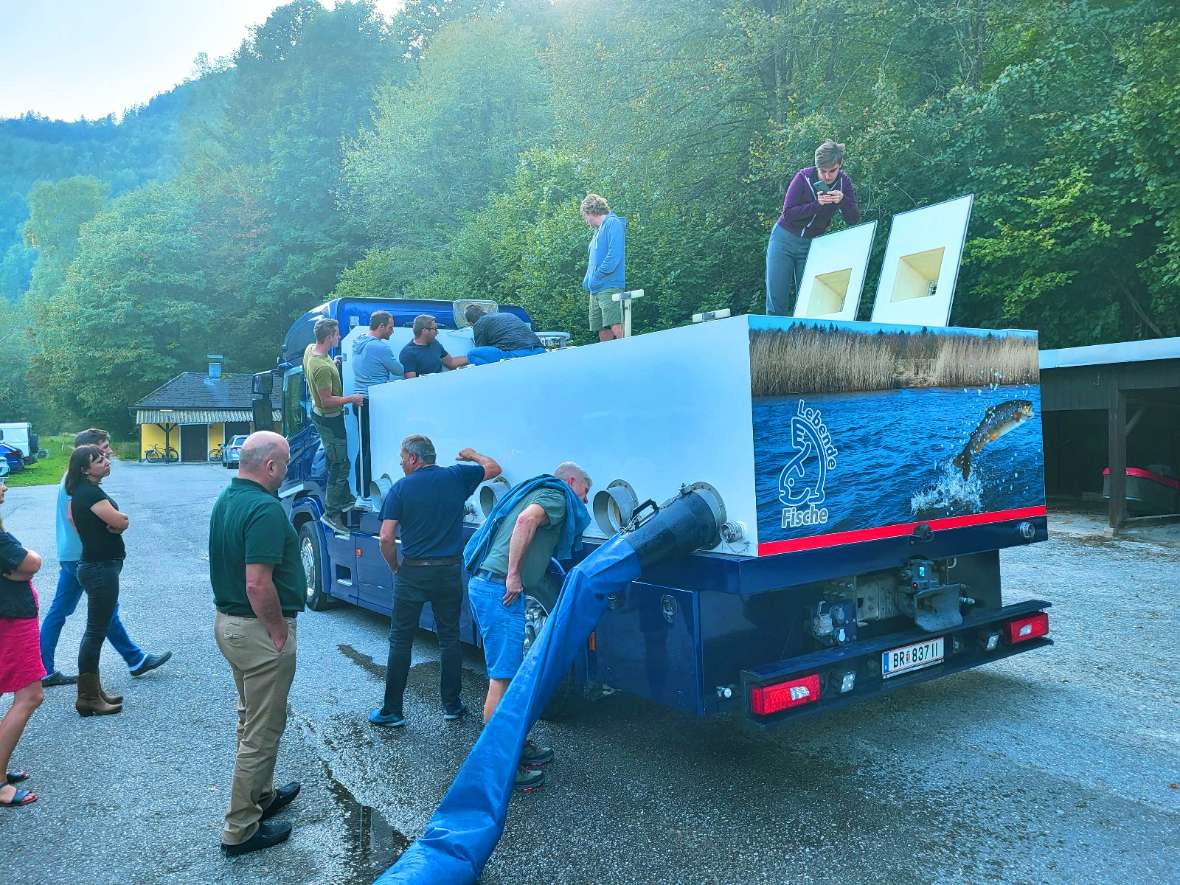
1060, 765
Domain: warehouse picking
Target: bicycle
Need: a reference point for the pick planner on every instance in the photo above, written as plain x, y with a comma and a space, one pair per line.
155, 456
215, 454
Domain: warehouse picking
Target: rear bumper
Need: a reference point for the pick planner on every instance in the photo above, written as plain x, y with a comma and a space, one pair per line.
964, 648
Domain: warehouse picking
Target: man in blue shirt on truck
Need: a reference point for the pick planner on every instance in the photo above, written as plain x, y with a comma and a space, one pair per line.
375, 362
499, 336
605, 276
424, 355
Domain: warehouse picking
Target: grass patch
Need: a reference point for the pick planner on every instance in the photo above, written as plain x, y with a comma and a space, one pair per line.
47, 471
810, 359
126, 451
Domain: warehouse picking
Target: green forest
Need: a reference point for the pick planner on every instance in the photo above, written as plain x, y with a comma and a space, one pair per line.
443, 154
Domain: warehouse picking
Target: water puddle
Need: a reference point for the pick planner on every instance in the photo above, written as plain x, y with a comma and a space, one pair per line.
362, 660
372, 845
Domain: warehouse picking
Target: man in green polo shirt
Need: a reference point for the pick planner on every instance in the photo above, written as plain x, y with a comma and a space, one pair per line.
258, 588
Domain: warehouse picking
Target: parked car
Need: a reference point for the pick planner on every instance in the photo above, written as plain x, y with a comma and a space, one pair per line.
13, 460
20, 435
232, 451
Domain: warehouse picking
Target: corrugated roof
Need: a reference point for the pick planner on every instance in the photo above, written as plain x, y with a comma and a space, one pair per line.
196, 390
195, 416
1106, 354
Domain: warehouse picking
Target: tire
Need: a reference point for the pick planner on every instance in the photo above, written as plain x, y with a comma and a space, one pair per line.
151, 456
172, 456
568, 697
313, 557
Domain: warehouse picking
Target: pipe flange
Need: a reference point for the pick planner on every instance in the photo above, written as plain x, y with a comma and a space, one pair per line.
489, 492
614, 506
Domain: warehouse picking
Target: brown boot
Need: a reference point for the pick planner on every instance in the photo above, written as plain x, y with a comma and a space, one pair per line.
90, 700
116, 699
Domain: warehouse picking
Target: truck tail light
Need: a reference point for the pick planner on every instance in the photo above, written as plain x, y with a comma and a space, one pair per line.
1024, 629
767, 699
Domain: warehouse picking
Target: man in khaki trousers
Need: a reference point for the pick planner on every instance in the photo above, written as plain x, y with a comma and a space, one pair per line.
258, 588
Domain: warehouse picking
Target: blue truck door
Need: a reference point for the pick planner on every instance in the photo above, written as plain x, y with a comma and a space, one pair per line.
374, 579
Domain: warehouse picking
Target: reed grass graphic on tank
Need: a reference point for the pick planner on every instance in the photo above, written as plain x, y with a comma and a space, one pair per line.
858, 426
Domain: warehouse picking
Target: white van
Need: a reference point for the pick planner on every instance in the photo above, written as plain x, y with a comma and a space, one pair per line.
19, 435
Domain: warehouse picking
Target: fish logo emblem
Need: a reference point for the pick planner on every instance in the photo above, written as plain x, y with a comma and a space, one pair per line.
802, 482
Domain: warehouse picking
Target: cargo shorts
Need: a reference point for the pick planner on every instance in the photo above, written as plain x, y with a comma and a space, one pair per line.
604, 312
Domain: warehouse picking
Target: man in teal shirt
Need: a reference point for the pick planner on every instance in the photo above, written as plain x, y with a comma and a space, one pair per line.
258, 588
509, 556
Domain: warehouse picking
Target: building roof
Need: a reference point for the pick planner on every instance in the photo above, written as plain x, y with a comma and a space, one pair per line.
1107, 354
195, 398
196, 416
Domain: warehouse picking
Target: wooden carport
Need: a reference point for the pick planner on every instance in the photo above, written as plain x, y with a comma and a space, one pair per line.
1127, 393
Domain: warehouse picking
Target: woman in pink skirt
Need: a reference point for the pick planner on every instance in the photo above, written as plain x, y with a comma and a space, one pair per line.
20, 660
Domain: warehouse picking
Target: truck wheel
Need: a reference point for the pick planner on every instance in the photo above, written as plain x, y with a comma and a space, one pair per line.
312, 556
568, 697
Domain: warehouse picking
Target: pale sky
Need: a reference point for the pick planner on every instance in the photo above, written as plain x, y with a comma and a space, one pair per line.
69, 59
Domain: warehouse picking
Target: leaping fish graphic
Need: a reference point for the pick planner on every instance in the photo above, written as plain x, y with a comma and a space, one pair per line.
997, 421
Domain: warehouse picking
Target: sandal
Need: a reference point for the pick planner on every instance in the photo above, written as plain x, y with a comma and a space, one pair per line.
15, 777
19, 798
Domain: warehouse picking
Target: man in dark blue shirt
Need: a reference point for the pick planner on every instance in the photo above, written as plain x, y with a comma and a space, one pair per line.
499, 336
426, 508
424, 355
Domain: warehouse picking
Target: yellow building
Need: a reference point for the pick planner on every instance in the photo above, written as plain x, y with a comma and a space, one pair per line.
194, 414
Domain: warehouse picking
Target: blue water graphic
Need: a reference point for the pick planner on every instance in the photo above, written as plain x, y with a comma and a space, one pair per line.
893, 457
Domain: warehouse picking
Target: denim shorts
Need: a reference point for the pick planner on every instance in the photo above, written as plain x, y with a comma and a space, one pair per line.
500, 625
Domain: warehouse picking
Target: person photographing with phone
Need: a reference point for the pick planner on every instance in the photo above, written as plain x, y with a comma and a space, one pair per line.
811, 202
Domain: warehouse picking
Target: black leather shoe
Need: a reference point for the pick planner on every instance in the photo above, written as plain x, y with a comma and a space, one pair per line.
151, 662
57, 677
283, 798
269, 833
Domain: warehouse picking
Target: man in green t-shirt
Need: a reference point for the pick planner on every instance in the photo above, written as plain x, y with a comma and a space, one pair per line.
516, 560
258, 589
327, 413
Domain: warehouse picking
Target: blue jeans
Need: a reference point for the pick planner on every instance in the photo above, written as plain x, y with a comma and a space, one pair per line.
65, 600
500, 626
786, 256
481, 356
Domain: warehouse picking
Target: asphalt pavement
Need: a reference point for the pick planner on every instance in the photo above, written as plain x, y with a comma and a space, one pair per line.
1061, 765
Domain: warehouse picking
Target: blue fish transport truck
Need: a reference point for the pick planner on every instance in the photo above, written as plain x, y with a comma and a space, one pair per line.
865, 478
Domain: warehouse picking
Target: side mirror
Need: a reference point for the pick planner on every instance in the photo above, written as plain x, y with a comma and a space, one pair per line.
262, 383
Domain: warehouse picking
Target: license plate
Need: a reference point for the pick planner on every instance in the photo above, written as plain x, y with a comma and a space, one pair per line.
911, 657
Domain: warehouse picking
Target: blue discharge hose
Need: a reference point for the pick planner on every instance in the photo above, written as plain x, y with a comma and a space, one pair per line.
463, 832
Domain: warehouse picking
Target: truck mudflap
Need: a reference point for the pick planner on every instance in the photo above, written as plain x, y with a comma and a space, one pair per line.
833, 678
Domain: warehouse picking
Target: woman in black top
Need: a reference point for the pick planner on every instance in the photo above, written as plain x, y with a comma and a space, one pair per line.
100, 525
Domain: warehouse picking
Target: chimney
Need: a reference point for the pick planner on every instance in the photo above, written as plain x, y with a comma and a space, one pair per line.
214, 364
